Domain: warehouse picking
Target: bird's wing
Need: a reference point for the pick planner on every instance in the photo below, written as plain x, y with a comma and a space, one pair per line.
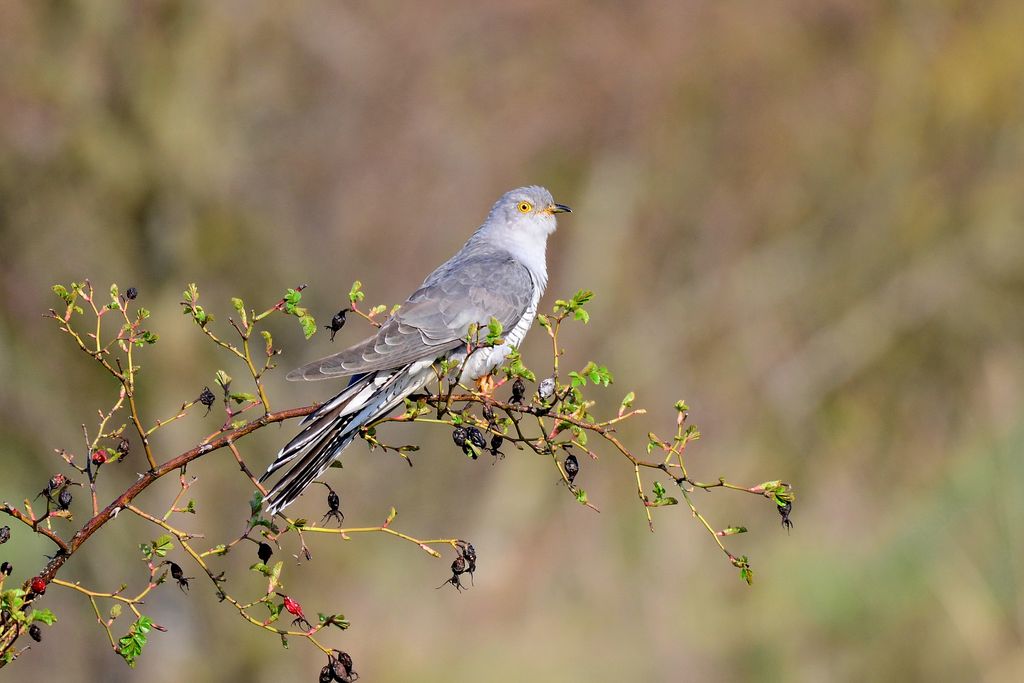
436, 317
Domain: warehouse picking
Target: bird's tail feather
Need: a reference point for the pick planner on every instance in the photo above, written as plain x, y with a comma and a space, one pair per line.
330, 429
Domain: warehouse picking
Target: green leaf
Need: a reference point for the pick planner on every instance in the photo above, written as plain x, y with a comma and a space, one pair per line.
261, 568
256, 502
494, 329
308, 324
355, 295
163, 545
574, 306
581, 496
222, 379
62, 292
275, 576
291, 300
130, 646
516, 368
338, 620
627, 402
241, 397
743, 564
43, 615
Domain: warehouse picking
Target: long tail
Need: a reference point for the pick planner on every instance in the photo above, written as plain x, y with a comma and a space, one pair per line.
327, 431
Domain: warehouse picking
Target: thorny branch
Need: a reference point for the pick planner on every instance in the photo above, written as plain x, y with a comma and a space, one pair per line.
554, 420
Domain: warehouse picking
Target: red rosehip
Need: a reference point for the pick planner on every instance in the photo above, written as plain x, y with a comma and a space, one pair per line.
38, 585
292, 606
99, 456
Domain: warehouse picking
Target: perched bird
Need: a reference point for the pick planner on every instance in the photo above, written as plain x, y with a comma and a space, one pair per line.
500, 272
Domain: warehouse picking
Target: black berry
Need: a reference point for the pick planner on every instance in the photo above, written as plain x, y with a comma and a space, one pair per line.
207, 398
35, 633
333, 507
459, 436
476, 437
178, 575
784, 511
264, 552
64, 499
5, 534
131, 293
6, 569
518, 390
572, 467
337, 322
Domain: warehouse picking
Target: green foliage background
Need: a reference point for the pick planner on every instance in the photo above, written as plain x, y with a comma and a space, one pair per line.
803, 217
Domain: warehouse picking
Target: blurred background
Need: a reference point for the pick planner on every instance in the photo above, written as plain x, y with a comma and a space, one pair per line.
805, 218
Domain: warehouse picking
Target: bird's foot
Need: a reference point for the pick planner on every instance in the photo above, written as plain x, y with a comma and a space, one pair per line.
486, 384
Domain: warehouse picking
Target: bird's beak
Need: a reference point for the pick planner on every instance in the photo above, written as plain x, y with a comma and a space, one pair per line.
559, 208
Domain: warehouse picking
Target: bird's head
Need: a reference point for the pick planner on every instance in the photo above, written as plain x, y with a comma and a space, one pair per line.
526, 210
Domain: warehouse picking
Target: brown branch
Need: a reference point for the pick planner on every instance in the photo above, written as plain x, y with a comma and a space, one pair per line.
67, 549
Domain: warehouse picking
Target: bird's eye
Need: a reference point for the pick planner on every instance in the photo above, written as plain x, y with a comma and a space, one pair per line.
525, 207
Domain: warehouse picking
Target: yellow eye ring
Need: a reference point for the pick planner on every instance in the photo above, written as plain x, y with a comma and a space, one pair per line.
525, 207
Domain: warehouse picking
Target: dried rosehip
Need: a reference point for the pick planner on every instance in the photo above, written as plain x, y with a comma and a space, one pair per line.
518, 390
64, 499
178, 575
341, 668
496, 441
99, 456
784, 511
337, 322
5, 534
37, 585
459, 436
207, 398
6, 568
35, 633
131, 293
458, 568
469, 552
572, 467
476, 437
488, 413
326, 674
333, 507
264, 552
123, 446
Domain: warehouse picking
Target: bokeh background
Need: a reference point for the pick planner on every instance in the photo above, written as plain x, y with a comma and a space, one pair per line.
803, 217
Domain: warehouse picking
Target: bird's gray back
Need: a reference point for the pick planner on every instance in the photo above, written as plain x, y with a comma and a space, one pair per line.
478, 283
